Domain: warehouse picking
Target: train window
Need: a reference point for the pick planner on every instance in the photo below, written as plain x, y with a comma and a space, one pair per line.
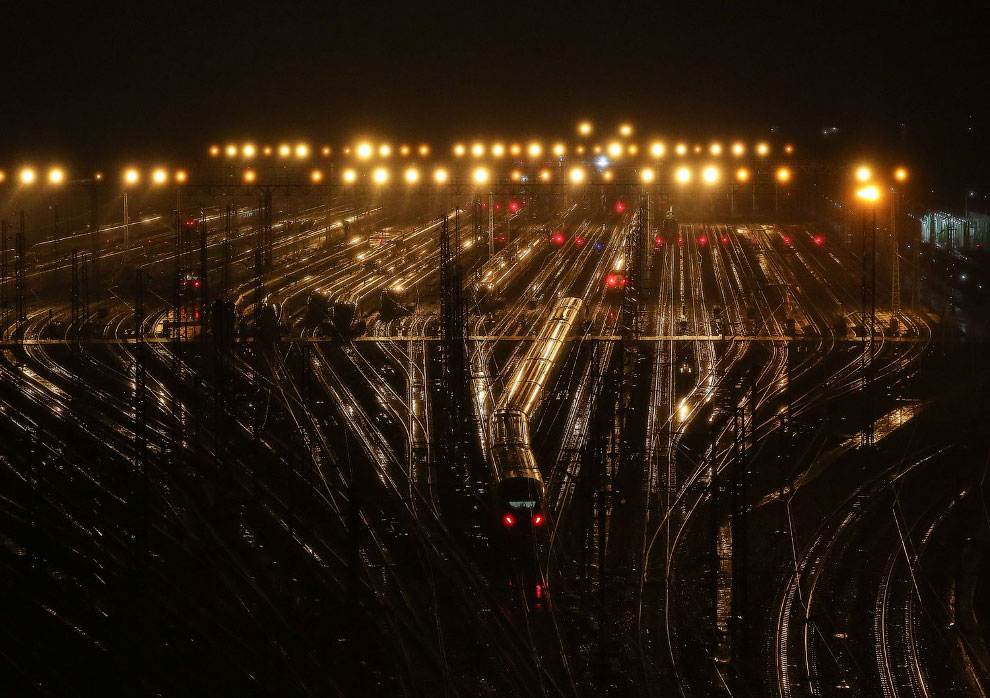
524, 504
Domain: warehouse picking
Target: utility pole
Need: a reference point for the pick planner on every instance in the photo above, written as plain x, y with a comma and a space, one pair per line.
4, 273
19, 275
895, 268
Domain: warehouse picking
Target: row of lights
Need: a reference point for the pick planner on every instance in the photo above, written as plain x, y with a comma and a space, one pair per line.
56, 175
577, 175
535, 149
870, 192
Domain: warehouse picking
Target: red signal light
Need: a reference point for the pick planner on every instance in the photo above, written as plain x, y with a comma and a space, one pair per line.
558, 239
509, 520
196, 283
623, 281
725, 239
513, 206
619, 207
787, 239
612, 280
680, 241
819, 240
538, 520
579, 241
658, 241
702, 240
190, 223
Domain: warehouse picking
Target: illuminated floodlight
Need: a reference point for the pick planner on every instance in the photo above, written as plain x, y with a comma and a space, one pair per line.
715, 149
863, 174
481, 175
381, 175
284, 150
584, 128
580, 150
3, 175
516, 175
459, 150
710, 175
742, 174
607, 175
384, 150
656, 150
403, 150
558, 149
697, 149
349, 176
577, 175
647, 175
267, 150
762, 149
900, 174
131, 176
214, 150
159, 176
440, 175
633, 149
869, 193
181, 176
302, 150
788, 148
681, 149
325, 150
515, 149
248, 151
28, 176
316, 176
498, 150
412, 175
615, 149
250, 176
424, 150
364, 150
783, 174
625, 130
477, 150
738, 149
56, 175
231, 150
545, 175
535, 150
683, 175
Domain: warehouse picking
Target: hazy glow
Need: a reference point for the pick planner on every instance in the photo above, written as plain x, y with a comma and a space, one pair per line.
231, 151
381, 175
742, 174
762, 149
326, 150
615, 149
481, 175
715, 149
625, 130
710, 175
657, 150
27, 175
863, 174
477, 150
783, 175
683, 174
633, 149
249, 175
248, 151
350, 175
158, 176
131, 176
316, 176
515, 149
584, 128
440, 175
900, 174
498, 150
180, 176
364, 150
214, 150
458, 150
404, 150
738, 149
545, 175
424, 150
284, 150
384, 150
577, 175
681, 149
412, 175
788, 148
647, 175
56, 176
558, 149
516, 175
302, 150
535, 150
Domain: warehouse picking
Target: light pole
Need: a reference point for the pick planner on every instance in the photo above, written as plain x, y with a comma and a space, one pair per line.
869, 194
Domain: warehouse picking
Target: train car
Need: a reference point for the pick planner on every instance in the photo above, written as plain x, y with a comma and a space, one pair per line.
519, 488
616, 278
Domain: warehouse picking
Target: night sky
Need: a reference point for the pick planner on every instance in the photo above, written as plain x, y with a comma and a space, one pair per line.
96, 82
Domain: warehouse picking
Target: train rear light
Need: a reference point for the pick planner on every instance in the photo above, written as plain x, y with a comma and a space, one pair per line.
190, 223
702, 240
509, 520
619, 207
658, 241
538, 520
787, 239
725, 239
819, 240
196, 283
513, 206
623, 281
558, 239
612, 280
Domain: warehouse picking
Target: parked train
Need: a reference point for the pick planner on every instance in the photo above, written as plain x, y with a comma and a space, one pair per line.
519, 488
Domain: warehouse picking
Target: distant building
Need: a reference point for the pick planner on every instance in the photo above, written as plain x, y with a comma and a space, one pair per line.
945, 230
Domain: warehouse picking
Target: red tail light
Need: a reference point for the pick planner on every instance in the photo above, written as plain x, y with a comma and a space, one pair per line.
612, 280
702, 240
509, 520
558, 239
658, 241
579, 241
819, 240
725, 240
787, 240
538, 520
